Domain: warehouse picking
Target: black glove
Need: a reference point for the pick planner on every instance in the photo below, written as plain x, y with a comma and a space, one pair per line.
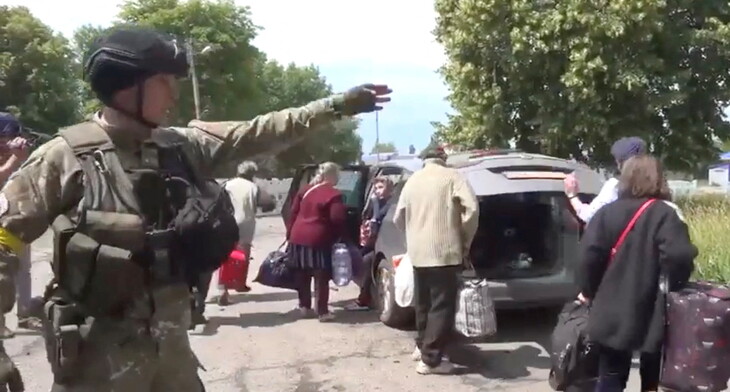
362, 99
10, 379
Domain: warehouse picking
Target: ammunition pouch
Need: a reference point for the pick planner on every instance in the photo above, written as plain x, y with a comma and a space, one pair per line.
102, 278
162, 267
64, 332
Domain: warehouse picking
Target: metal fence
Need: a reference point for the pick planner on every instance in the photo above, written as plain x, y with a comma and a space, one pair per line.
683, 188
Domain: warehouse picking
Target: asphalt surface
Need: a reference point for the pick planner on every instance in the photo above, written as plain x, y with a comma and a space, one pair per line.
259, 345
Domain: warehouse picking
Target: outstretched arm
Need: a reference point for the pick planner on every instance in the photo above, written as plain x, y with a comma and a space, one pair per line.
217, 144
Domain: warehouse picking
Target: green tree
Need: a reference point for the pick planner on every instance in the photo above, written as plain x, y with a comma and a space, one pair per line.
236, 80
383, 148
83, 37
226, 74
289, 86
35, 82
569, 77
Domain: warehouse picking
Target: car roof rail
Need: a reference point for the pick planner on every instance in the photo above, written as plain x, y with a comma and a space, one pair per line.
491, 152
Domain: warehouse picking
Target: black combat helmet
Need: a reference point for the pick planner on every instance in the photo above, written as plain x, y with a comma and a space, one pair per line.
126, 56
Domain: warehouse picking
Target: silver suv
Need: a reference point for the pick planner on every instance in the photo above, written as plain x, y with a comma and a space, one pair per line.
527, 241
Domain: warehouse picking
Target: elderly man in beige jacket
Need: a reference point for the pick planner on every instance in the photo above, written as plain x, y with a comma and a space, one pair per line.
439, 213
247, 198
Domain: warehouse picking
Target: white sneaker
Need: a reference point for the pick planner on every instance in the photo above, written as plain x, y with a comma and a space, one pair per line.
306, 313
445, 367
416, 355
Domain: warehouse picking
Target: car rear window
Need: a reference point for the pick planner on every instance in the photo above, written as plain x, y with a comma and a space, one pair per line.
349, 184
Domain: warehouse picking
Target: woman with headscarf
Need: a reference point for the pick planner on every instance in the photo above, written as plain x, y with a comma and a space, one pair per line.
622, 150
626, 247
317, 221
372, 219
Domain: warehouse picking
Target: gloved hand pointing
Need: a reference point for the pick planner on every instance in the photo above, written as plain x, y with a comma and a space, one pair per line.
363, 99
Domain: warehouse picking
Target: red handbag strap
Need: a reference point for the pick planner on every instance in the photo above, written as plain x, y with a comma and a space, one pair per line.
628, 227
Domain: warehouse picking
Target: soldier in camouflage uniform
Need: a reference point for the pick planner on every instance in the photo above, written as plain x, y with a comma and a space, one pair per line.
144, 346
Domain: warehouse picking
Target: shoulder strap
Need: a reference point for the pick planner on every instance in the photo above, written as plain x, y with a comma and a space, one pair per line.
85, 138
195, 176
630, 226
92, 147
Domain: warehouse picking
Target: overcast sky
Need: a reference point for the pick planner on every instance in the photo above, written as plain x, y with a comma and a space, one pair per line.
352, 43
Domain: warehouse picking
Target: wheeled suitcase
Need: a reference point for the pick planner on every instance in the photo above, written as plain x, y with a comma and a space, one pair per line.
234, 272
696, 350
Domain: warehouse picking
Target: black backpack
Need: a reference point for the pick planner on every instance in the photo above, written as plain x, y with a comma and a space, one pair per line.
205, 229
574, 357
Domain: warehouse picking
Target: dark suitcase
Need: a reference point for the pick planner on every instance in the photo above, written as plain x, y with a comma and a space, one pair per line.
696, 351
574, 357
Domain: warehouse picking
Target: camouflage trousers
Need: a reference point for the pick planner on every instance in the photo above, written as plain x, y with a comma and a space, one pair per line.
122, 357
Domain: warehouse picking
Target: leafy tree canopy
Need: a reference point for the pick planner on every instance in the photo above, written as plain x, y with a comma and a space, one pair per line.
37, 79
568, 78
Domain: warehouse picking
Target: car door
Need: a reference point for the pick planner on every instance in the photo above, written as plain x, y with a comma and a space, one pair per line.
352, 184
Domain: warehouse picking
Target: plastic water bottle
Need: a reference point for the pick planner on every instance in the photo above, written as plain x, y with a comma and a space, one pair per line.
341, 265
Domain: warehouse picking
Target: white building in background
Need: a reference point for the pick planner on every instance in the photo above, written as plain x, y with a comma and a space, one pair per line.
719, 173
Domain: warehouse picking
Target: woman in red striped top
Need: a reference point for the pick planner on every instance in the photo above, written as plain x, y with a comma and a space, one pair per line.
318, 216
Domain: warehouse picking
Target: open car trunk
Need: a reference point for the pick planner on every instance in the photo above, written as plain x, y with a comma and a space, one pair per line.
523, 235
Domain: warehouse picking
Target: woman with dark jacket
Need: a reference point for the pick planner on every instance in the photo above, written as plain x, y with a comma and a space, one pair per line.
627, 307
373, 216
318, 219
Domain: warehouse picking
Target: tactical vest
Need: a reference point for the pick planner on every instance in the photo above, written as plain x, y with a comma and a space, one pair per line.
157, 225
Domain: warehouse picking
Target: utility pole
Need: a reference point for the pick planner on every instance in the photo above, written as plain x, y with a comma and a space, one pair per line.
194, 77
377, 138
194, 74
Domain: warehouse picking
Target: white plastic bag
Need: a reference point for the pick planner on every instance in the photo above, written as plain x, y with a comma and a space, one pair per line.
341, 265
403, 282
475, 317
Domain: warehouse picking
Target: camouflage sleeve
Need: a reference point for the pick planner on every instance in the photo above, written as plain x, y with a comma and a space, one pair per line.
220, 145
43, 188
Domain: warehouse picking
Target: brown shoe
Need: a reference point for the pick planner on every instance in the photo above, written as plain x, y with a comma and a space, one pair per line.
244, 289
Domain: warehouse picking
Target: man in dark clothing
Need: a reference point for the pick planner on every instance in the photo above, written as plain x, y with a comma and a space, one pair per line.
622, 280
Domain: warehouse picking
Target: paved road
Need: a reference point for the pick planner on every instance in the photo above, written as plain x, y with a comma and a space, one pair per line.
258, 345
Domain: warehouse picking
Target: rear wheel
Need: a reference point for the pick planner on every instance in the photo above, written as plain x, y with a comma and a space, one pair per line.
391, 314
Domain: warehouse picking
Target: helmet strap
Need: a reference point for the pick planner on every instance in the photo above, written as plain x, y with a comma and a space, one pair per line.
139, 115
